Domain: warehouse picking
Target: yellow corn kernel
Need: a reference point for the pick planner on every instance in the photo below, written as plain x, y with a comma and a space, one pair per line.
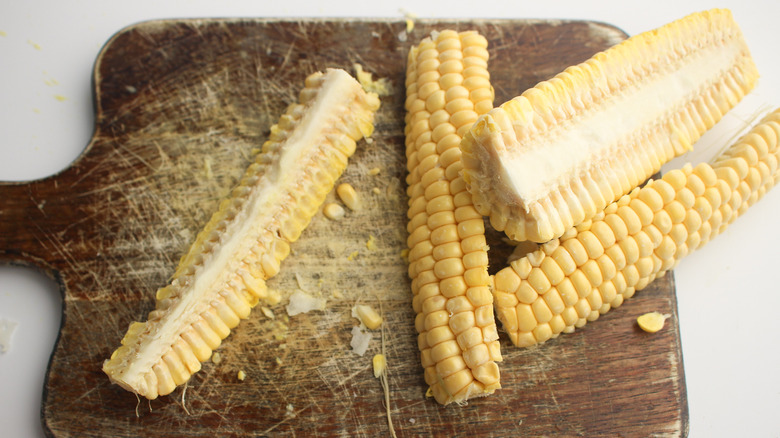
367, 315
555, 156
333, 211
458, 339
651, 322
241, 375
379, 363
371, 243
223, 274
633, 260
348, 196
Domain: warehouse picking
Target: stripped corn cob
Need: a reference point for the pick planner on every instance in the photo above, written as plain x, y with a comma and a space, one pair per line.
559, 153
448, 87
595, 266
223, 275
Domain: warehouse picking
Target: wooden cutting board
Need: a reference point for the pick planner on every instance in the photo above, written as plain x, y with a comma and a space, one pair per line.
179, 104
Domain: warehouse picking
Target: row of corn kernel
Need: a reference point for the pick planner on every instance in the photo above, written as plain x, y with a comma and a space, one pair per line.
247, 286
448, 87
231, 298
595, 266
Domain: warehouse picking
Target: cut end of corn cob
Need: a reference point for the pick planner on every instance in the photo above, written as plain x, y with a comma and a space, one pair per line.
598, 264
447, 88
559, 153
222, 277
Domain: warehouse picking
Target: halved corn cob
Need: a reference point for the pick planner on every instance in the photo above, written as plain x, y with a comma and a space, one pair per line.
559, 153
595, 266
223, 275
448, 87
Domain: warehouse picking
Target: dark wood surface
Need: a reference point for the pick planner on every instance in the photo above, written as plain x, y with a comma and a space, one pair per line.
179, 104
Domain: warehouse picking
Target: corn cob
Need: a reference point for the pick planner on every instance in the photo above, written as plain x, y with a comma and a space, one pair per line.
560, 152
598, 264
448, 87
222, 277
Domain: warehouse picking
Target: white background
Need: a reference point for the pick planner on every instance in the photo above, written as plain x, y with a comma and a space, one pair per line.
727, 292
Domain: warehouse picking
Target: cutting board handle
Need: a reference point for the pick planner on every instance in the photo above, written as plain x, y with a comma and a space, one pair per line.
40, 218
27, 207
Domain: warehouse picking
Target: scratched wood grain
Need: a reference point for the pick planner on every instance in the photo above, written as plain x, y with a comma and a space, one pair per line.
179, 104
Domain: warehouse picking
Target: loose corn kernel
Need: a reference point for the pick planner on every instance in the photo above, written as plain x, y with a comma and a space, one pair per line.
348, 196
651, 322
163, 352
558, 154
379, 363
646, 245
333, 211
241, 375
371, 243
368, 316
267, 312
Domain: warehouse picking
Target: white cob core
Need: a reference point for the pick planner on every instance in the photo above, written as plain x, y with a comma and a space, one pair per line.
255, 217
531, 168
